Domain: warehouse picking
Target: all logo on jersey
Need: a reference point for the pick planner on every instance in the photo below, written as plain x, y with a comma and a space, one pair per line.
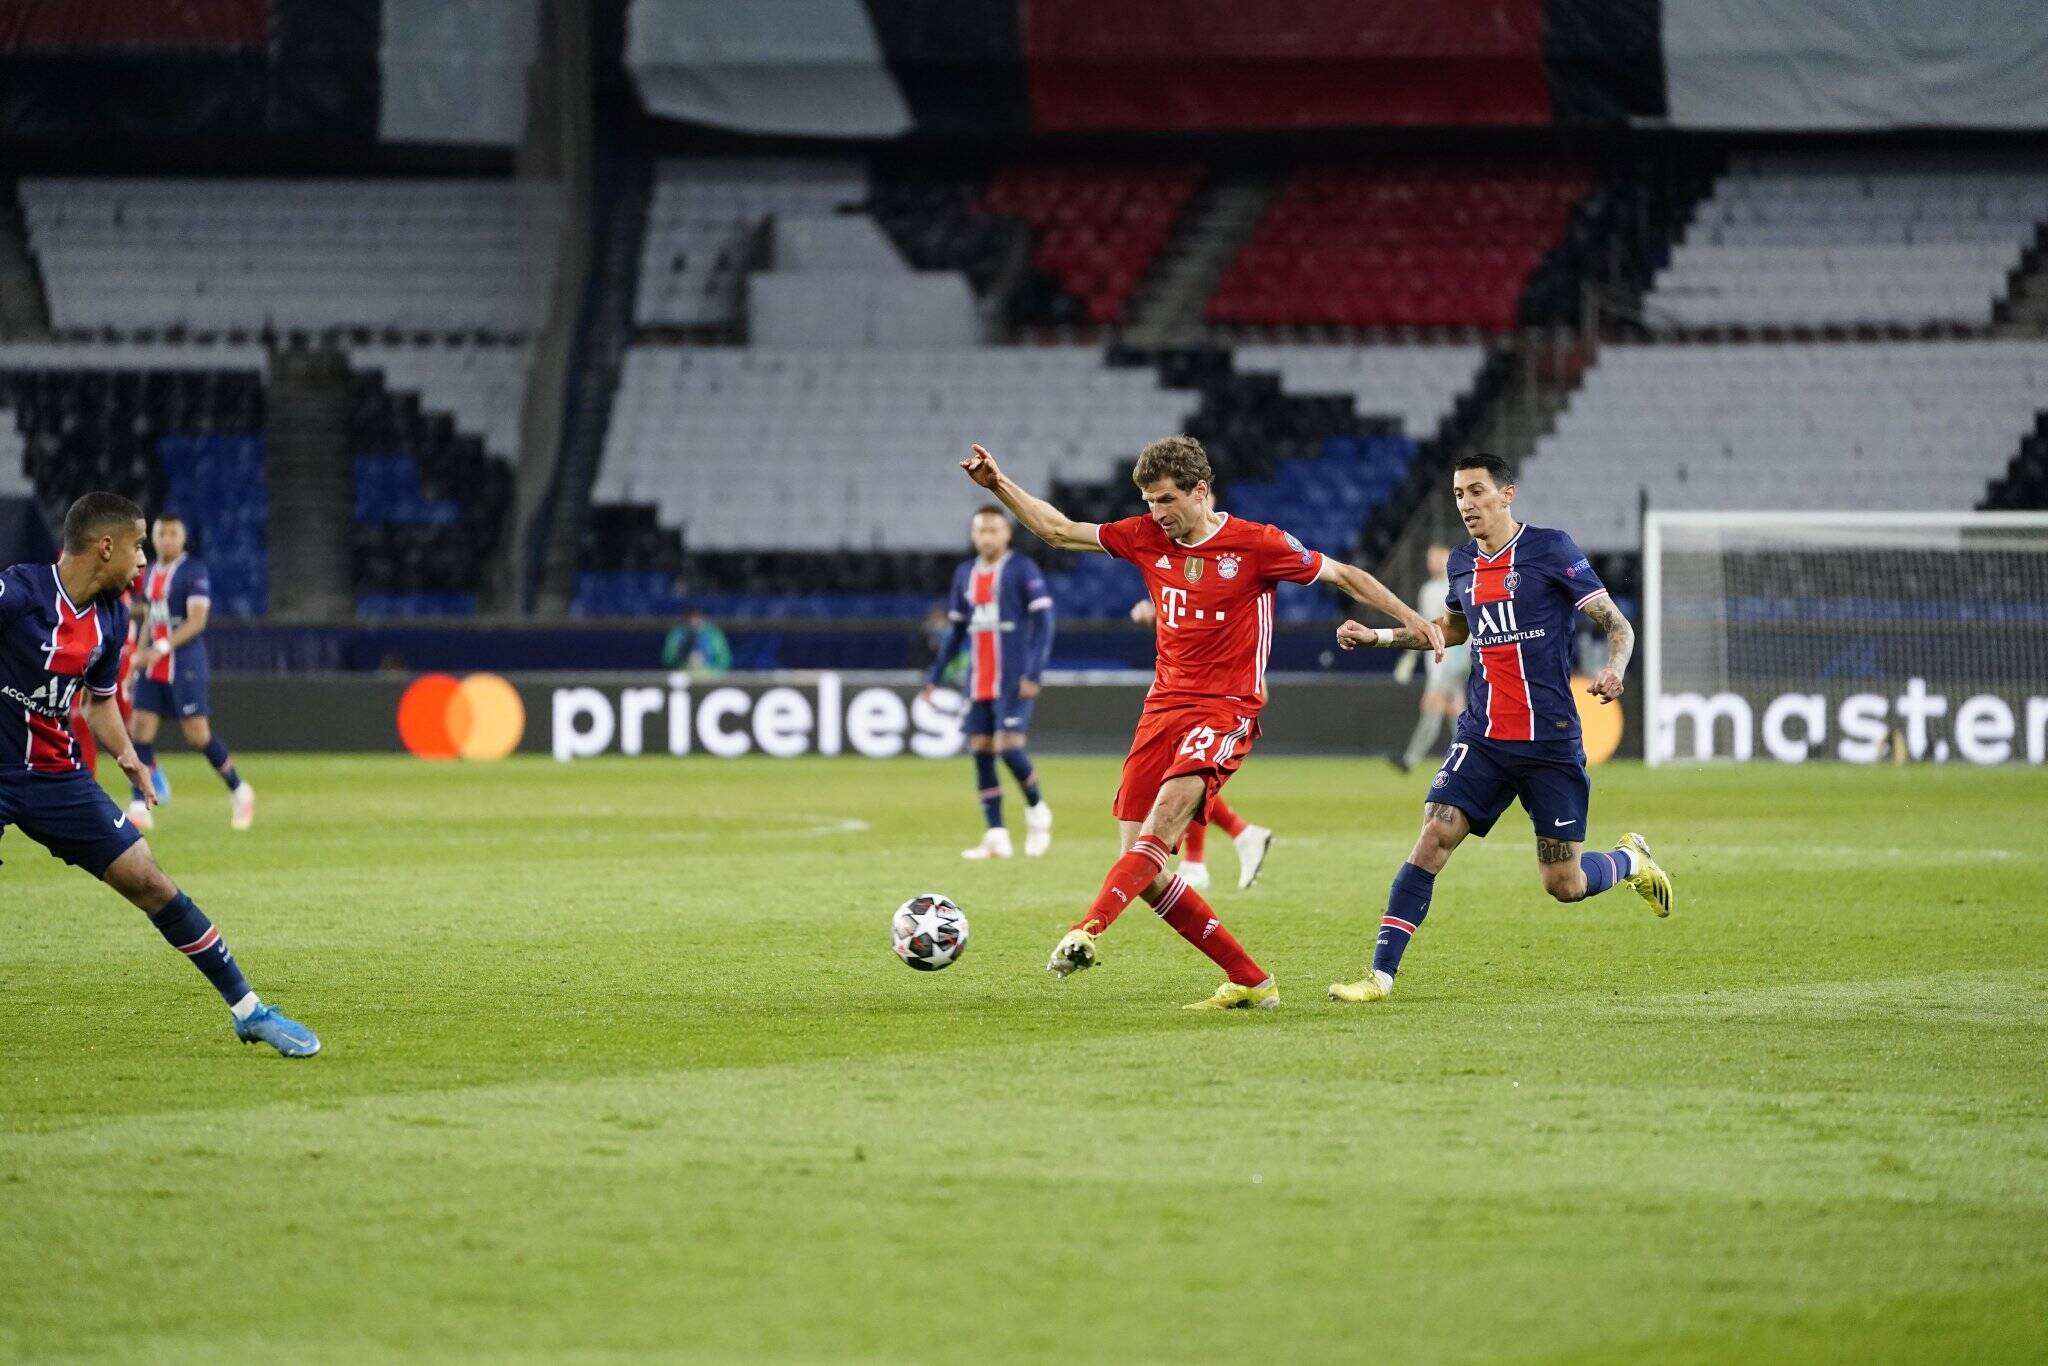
1498, 618
1512, 581
1226, 565
1164, 563
1193, 569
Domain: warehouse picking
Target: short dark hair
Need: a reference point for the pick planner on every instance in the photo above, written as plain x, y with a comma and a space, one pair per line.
93, 515
991, 510
1496, 468
170, 515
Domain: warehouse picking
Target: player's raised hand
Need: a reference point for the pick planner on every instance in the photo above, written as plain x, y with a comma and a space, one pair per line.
1606, 686
981, 468
1432, 633
1143, 612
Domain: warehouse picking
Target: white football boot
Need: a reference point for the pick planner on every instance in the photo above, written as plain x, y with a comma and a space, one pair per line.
1252, 843
1196, 875
995, 844
242, 807
1037, 829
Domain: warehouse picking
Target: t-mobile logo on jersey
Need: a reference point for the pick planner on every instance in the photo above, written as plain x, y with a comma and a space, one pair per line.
1173, 609
1173, 605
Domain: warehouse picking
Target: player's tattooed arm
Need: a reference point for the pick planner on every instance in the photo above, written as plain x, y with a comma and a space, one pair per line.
1354, 635
1621, 647
1553, 851
1362, 587
1039, 517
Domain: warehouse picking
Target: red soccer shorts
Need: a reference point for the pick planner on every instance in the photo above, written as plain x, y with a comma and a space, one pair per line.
1205, 736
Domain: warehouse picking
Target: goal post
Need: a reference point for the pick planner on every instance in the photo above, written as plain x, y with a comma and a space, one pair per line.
1856, 636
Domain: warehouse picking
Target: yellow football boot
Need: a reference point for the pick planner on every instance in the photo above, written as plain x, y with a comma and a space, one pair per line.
1231, 996
1651, 882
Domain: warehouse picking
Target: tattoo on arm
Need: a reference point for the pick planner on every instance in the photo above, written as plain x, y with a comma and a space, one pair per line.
1621, 637
1553, 851
1453, 627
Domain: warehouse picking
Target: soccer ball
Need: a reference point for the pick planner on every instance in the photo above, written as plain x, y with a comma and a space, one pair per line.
928, 932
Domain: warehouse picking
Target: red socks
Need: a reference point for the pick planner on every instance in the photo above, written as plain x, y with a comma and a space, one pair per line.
1192, 918
1226, 820
1127, 880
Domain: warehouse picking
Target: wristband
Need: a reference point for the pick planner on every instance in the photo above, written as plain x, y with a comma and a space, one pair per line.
1382, 637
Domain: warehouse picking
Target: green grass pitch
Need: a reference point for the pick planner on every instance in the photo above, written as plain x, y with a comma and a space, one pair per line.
619, 1066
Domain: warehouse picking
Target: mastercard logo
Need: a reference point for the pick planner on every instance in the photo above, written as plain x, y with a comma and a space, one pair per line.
478, 717
1599, 723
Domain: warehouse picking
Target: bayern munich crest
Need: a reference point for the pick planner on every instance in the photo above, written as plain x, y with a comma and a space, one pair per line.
1226, 566
1512, 581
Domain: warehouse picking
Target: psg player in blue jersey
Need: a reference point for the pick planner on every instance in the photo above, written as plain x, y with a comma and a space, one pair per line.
61, 629
1513, 590
169, 672
1000, 610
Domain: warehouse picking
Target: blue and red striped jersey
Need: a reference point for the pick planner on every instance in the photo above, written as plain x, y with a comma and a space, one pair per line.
49, 648
1003, 613
170, 590
1518, 604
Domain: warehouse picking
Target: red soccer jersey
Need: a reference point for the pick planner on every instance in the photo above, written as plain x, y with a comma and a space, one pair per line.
1215, 602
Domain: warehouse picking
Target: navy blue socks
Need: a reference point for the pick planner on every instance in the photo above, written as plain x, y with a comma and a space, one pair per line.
991, 788
1407, 904
217, 755
185, 928
1019, 764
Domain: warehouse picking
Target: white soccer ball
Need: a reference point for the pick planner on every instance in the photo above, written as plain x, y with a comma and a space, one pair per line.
928, 932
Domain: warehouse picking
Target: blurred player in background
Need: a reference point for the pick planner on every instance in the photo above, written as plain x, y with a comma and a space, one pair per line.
1252, 841
1443, 683
1210, 577
60, 627
1000, 609
169, 669
1513, 591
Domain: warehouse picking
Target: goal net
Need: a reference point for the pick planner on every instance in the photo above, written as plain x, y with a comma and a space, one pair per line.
1855, 636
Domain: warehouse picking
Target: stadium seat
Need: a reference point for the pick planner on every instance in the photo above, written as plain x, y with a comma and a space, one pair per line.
1807, 239
313, 255
1850, 426
1400, 244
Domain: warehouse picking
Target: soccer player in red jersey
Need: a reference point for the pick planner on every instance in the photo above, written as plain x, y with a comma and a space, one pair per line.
1253, 842
1211, 577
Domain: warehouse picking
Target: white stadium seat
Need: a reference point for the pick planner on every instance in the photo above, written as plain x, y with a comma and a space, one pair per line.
221, 255
1856, 427
1804, 239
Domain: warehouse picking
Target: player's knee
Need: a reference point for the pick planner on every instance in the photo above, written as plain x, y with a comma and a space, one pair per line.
1564, 884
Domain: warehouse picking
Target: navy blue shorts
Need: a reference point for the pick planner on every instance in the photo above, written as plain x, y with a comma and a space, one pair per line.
185, 696
1482, 777
1009, 715
69, 815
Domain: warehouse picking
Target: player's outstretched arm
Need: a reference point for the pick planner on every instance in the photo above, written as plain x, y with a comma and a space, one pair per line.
103, 719
1355, 635
1039, 517
1621, 647
1362, 587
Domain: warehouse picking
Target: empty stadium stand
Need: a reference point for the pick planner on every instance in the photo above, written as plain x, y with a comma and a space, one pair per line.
431, 436
1805, 239
1400, 244
1095, 228
1850, 426
826, 476
702, 217
155, 255
174, 427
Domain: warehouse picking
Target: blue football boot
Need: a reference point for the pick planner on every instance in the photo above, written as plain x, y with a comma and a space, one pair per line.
270, 1025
